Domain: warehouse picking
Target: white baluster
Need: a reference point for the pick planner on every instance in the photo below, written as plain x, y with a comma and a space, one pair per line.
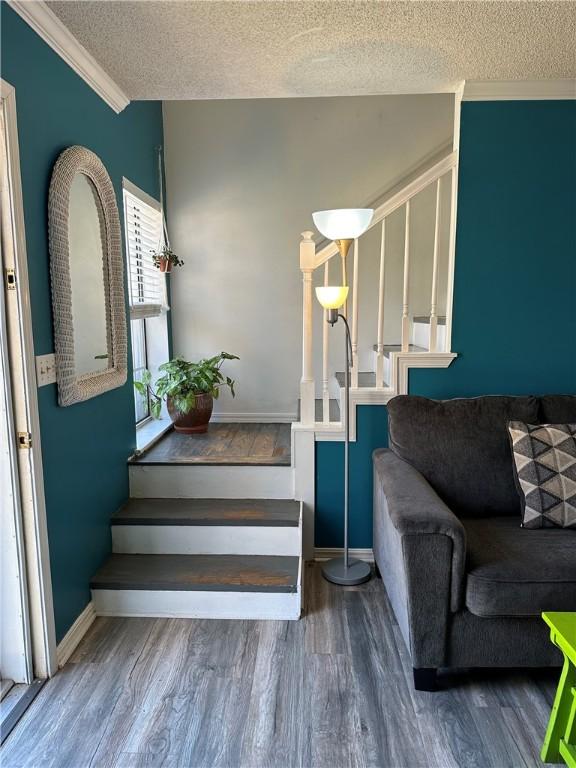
451, 257
307, 257
325, 338
434, 298
381, 288
354, 377
406, 289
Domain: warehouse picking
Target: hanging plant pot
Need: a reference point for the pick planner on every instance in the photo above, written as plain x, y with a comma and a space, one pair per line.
195, 421
165, 258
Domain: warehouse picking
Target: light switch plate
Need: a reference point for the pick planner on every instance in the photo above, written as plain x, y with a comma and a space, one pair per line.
45, 369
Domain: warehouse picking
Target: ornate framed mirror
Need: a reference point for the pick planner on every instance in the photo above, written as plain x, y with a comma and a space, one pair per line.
87, 277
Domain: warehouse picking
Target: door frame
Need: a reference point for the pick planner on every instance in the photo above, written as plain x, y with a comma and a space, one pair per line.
15, 643
26, 414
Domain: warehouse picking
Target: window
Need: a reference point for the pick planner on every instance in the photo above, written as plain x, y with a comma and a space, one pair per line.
147, 288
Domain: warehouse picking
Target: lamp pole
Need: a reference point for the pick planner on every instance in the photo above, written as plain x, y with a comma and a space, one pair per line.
345, 571
343, 226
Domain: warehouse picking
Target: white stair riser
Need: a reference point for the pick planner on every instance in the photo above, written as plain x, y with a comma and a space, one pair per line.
206, 540
197, 605
421, 335
211, 482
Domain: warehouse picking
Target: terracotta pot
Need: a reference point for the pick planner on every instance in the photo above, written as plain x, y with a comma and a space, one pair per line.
194, 422
165, 265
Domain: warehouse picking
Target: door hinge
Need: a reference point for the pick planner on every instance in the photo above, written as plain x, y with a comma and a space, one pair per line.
24, 440
10, 278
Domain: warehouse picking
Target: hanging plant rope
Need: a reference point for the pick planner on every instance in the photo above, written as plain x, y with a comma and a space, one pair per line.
164, 257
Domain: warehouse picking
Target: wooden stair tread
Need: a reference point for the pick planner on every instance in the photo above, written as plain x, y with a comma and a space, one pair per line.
244, 512
398, 348
225, 444
212, 573
426, 319
365, 378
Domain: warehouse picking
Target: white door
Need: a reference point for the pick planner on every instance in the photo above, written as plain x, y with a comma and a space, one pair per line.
15, 654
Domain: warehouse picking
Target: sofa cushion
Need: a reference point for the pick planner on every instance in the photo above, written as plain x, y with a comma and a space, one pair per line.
545, 464
557, 409
513, 571
462, 448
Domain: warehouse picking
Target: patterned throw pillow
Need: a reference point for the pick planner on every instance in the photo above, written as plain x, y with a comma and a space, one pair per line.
545, 468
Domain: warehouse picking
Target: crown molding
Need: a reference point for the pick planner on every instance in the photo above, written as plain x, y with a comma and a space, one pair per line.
519, 90
46, 24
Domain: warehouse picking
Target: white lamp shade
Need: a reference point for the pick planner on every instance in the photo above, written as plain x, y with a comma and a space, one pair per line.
343, 223
332, 296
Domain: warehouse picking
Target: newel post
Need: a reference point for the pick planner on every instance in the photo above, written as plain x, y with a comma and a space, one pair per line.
307, 386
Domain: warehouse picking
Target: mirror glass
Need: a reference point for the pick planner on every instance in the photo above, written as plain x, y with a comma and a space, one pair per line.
87, 252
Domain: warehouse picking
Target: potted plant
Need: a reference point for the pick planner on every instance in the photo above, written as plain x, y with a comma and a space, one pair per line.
165, 258
189, 390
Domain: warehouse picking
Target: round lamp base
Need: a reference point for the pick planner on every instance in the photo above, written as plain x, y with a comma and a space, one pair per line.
357, 572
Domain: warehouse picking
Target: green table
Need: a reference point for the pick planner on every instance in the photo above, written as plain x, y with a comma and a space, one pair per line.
560, 741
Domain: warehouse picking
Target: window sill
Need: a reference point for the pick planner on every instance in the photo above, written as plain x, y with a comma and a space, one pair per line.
149, 432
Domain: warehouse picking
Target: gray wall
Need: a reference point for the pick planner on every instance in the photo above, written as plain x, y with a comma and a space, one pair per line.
242, 180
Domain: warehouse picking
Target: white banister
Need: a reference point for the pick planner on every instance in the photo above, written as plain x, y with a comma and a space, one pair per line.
381, 289
406, 284
397, 200
434, 297
354, 377
325, 339
310, 259
307, 258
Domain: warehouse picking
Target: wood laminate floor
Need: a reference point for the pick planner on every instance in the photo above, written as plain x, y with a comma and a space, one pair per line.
333, 690
230, 444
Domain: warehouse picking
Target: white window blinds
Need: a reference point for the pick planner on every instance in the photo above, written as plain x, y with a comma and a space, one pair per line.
143, 225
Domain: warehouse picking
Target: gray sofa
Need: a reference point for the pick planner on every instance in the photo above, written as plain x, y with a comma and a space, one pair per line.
466, 582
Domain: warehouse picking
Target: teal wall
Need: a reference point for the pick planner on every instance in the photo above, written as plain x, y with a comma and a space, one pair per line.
84, 446
514, 318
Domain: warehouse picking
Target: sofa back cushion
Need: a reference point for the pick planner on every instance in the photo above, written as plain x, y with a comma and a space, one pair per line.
557, 409
462, 448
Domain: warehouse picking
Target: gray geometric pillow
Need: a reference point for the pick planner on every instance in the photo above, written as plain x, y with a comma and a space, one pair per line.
545, 464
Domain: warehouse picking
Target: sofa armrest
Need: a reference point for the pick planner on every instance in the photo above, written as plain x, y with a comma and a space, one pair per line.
420, 547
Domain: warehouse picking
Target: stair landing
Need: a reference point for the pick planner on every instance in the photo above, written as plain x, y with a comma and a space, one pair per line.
223, 444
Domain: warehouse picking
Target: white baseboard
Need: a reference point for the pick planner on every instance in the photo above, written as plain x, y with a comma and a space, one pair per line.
71, 639
327, 553
255, 418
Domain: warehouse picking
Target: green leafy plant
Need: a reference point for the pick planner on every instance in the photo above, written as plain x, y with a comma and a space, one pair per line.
166, 254
182, 381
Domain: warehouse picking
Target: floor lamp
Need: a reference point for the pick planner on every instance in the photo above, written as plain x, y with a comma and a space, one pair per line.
343, 226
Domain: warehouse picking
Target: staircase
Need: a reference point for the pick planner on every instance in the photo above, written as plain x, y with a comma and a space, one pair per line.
211, 530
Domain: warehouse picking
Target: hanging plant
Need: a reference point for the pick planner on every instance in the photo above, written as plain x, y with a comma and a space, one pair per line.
165, 258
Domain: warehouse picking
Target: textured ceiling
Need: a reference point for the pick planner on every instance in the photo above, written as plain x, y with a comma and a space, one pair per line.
209, 49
